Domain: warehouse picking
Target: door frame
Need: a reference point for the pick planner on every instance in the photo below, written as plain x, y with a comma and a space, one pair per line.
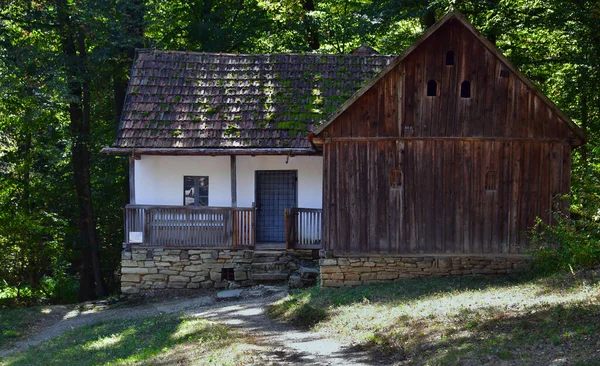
256, 172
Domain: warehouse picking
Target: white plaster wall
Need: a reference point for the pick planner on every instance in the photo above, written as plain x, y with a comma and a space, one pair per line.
159, 179
310, 177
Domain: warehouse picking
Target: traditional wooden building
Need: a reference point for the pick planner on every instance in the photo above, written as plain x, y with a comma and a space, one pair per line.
220, 163
435, 162
449, 153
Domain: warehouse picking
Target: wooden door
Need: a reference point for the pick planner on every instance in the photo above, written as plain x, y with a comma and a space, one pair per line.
276, 190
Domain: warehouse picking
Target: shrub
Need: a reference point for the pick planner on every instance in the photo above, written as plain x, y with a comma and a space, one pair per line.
572, 241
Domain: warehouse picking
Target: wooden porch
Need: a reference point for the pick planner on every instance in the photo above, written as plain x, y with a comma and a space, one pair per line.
214, 227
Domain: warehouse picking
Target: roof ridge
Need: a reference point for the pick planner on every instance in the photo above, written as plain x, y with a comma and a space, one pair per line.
151, 50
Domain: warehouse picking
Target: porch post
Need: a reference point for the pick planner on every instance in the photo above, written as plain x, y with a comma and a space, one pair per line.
132, 179
232, 159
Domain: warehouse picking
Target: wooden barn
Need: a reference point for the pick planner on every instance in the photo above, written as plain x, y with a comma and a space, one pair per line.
440, 164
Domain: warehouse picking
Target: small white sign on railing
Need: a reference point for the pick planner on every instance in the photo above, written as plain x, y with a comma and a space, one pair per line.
136, 237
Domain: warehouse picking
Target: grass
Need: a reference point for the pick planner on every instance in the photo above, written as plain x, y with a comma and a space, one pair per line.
149, 340
460, 320
16, 322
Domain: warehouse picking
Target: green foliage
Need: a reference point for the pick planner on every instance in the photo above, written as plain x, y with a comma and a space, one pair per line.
555, 43
572, 242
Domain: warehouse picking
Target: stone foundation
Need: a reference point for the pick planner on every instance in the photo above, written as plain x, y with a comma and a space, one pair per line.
162, 268
355, 271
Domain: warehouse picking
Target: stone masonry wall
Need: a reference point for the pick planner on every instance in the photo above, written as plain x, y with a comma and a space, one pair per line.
355, 271
158, 268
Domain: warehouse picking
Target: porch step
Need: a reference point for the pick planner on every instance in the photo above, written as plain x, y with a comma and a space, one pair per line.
269, 253
269, 267
269, 277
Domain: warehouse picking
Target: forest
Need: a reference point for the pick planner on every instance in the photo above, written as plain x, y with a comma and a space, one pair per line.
64, 68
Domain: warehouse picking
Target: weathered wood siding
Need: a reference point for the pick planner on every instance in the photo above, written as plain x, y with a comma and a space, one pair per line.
409, 173
500, 106
449, 197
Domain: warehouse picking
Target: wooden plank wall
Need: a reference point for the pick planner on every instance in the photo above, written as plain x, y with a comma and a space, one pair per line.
499, 106
409, 173
443, 204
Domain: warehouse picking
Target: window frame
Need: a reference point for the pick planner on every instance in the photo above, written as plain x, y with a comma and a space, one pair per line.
198, 197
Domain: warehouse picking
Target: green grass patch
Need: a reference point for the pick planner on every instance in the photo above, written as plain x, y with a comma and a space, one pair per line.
457, 320
150, 340
15, 322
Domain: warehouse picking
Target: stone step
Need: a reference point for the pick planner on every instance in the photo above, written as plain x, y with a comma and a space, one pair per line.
269, 267
268, 253
269, 259
309, 272
269, 277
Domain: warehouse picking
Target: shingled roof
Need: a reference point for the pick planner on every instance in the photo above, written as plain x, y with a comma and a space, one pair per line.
184, 100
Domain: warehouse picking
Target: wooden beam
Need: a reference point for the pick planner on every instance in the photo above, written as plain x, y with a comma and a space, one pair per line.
233, 163
568, 142
132, 179
209, 151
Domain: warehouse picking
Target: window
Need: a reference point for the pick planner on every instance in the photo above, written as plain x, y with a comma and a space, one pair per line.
465, 89
431, 88
450, 58
195, 191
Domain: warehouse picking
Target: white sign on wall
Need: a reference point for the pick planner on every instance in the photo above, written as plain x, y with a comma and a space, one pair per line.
135, 237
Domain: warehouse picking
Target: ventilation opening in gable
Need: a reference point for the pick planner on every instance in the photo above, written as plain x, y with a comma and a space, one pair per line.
450, 58
431, 88
465, 89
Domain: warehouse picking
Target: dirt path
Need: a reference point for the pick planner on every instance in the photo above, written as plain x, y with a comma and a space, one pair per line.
283, 344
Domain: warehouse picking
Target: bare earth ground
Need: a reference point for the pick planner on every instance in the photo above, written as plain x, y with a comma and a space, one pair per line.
282, 343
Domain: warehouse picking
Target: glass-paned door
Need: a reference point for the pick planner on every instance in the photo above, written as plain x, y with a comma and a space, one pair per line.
276, 190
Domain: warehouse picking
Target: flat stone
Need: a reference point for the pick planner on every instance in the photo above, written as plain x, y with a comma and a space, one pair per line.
155, 277
215, 276
130, 278
130, 290
129, 263
309, 272
328, 262
194, 268
179, 279
134, 270
221, 284
240, 275
229, 294
168, 272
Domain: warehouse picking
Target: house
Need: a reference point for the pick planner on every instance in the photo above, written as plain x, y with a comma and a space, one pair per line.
434, 162
440, 164
220, 162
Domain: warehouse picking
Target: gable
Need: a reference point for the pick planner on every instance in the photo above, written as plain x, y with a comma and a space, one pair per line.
501, 103
179, 100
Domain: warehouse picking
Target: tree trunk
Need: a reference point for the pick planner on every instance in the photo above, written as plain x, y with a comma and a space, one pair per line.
312, 33
73, 47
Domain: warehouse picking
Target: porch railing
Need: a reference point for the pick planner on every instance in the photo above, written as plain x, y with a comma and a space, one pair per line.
189, 226
303, 228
